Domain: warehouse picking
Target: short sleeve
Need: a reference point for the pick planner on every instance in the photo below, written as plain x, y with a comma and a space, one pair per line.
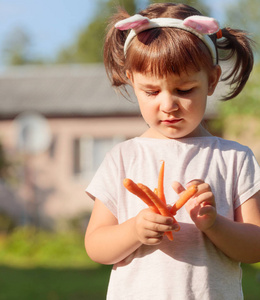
248, 179
103, 184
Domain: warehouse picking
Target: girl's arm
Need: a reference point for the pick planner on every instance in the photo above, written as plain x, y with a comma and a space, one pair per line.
239, 239
108, 242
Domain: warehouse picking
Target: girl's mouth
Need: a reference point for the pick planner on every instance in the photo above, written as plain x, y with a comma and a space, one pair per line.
171, 121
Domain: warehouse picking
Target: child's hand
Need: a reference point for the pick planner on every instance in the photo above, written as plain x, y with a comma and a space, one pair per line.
150, 227
202, 206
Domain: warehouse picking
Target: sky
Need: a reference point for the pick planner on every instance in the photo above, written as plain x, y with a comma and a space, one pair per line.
55, 24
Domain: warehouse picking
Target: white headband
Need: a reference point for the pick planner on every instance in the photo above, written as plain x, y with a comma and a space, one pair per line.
199, 25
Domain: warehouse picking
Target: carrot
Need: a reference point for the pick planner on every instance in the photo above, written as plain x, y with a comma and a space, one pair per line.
136, 190
156, 200
160, 183
160, 205
185, 196
132, 187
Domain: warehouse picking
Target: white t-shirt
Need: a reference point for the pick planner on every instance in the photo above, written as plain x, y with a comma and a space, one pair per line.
190, 267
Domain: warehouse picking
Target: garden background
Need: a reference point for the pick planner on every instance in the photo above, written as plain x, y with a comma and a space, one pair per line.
36, 263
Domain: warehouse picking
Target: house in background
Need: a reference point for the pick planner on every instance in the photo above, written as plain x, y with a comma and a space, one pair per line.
85, 118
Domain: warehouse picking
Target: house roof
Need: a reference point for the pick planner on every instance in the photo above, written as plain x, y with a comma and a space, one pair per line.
61, 91
64, 91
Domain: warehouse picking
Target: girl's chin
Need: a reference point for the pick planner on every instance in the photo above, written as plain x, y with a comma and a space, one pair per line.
172, 133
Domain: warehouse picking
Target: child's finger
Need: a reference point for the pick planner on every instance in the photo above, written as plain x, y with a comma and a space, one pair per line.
201, 185
194, 182
204, 195
206, 210
161, 224
157, 218
205, 198
185, 196
162, 228
177, 187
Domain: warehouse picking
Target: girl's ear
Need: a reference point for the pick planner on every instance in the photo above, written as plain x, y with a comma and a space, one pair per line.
214, 79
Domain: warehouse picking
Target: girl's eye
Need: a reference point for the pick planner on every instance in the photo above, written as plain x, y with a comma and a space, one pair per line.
152, 93
182, 92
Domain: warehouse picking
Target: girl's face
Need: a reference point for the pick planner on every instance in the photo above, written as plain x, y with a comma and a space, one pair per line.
173, 106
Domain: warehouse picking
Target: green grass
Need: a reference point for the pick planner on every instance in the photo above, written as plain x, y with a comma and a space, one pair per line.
47, 266
251, 281
53, 283
36, 264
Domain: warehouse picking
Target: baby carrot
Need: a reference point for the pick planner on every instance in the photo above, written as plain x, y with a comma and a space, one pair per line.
156, 200
136, 190
132, 187
185, 196
160, 205
160, 193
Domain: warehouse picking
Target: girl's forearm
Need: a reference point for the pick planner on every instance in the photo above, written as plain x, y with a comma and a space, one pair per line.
111, 244
239, 241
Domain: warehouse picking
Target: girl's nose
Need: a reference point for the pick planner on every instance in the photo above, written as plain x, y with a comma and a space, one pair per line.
169, 103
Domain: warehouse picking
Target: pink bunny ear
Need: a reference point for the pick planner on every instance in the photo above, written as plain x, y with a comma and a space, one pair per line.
133, 22
201, 24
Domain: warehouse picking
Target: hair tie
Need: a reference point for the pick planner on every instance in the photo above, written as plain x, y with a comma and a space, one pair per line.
219, 34
201, 26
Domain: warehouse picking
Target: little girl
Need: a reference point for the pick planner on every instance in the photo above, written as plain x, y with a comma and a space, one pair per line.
169, 54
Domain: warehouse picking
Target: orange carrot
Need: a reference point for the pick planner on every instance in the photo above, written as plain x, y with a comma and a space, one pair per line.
132, 187
185, 196
136, 190
160, 205
160, 183
156, 200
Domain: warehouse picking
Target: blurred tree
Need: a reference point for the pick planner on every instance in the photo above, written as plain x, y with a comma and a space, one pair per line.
247, 102
245, 14
17, 45
88, 47
17, 48
200, 5
4, 165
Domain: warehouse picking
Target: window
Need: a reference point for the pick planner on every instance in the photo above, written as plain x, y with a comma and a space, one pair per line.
89, 152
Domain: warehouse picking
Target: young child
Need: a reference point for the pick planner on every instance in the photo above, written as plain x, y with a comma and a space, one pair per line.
169, 54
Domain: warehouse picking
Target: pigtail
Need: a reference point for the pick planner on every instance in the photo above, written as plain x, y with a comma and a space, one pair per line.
236, 46
114, 59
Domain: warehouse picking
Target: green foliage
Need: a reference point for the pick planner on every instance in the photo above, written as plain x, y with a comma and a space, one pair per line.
90, 42
199, 5
247, 18
248, 101
7, 224
36, 264
246, 104
88, 47
5, 165
233, 114
128, 5
29, 247
17, 48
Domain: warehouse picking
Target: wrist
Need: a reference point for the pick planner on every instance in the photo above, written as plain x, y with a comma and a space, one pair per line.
213, 227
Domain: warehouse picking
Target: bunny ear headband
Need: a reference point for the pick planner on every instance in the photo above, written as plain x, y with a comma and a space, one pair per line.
199, 25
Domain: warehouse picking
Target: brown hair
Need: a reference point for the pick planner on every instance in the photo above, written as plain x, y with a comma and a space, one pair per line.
161, 51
